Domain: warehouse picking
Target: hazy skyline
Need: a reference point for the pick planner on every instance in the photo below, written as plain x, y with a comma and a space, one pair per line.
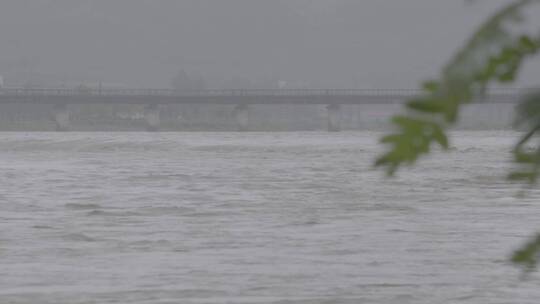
319, 43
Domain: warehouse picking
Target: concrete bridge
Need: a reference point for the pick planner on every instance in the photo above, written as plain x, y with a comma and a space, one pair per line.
240, 99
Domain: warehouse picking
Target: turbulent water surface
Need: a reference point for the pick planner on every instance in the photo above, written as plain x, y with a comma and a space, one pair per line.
257, 218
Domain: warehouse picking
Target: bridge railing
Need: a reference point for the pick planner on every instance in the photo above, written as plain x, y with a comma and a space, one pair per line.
231, 92
210, 92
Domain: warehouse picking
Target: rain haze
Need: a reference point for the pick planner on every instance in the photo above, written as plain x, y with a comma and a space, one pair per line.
222, 151
320, 43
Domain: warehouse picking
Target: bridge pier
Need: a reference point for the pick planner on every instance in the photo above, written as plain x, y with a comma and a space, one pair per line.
61, 117
152, 117
334, 117
241, 116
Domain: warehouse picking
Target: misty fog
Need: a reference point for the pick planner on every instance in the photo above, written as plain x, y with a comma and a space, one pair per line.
235, 151
234, 43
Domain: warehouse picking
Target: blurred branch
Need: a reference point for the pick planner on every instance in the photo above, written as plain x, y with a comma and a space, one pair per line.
527, 256
494, 54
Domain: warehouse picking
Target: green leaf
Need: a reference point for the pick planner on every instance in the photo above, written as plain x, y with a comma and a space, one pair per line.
523, 176
391, 139
431, 86
526, 158
493, 54
408, 122
528, 44
440, 137
427, 106
527, 256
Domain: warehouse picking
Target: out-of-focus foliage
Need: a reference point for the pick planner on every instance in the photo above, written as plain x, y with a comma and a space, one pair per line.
528, 158
528, 255
493, 55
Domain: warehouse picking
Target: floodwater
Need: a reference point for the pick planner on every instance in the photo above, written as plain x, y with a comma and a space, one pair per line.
257, 218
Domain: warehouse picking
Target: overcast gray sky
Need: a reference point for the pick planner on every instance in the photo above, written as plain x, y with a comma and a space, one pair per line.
322, 43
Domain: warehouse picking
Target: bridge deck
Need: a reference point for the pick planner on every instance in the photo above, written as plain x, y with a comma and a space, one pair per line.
233, 97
